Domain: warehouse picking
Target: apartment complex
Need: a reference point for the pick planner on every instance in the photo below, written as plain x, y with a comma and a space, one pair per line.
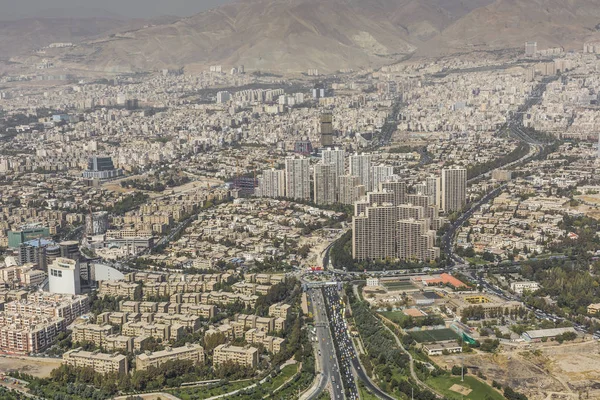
297, 178
325, 179
245, 356
101, 363
454, 189
93, 333
280, 310
272, 183
191, 352
360, 165
25, 334
383, 229
32, 323
350, 189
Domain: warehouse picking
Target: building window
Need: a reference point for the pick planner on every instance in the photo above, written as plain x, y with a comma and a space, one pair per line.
56, 273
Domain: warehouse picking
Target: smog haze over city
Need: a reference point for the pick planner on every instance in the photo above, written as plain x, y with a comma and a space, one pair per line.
299, 199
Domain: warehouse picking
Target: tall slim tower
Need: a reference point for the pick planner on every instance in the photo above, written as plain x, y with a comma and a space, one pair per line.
360, 165
335, 157
297, 178
326, 130
380, 174
272, 183
454, 189
350, 189
325, 178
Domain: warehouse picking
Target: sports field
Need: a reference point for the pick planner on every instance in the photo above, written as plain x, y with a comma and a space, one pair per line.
437, 335
470, 389
398, 286
394, 316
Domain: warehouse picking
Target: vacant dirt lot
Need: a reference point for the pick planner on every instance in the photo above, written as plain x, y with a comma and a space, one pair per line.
542, 372
39, 367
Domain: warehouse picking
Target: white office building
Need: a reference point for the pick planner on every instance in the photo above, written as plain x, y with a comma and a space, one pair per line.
64, 276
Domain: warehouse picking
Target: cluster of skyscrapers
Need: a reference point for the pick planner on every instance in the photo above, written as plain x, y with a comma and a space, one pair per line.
390, 221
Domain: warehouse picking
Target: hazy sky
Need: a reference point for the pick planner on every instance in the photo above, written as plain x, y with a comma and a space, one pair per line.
11, 9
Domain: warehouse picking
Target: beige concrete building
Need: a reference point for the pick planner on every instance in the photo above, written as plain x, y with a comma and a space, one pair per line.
245, 356
91, 333
325, 184
192, 352
118, 342
350, 189
120, 289
454, 189
102, 363
280, 310
416, 241
374, 232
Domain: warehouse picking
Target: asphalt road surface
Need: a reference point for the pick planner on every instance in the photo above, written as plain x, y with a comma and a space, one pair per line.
326, 350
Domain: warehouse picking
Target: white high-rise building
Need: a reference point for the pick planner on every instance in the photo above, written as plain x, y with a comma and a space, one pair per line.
454, 189
272, 183
434, 190
530, 49
381, 173
398, 188
223, 97
360, 165
374, 233
64, 276
297, 178
335, 157
415, 241
325, 184
350, 189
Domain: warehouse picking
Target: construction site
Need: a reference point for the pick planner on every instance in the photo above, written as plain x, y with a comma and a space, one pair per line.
541, 371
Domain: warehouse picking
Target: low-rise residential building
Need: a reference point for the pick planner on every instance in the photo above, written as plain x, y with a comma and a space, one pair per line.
593, 308
245, 356
192, 352
124, 289
101, 363
119, 342
524, 286
93, 333
280, 310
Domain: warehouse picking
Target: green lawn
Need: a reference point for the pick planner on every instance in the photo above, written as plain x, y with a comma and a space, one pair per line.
286, 373
480, 390
204, 392
394, 316
399, 286
476, 261
437, 335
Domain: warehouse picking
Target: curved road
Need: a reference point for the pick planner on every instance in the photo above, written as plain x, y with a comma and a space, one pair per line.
422, 384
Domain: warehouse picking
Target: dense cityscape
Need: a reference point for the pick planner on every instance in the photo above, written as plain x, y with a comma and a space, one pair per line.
425, 229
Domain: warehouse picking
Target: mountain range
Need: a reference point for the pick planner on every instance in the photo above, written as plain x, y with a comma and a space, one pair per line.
294, 35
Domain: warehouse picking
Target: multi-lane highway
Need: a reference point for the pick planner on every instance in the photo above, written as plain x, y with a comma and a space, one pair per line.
333, 307
350, 363
326, 351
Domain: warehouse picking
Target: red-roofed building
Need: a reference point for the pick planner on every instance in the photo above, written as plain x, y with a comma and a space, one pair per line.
444, 279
